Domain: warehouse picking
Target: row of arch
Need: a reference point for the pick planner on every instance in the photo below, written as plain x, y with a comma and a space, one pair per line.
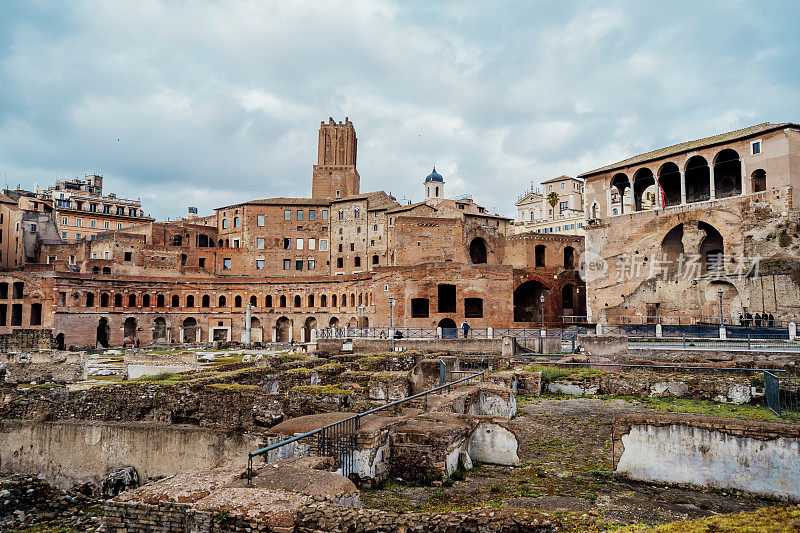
695, 182
191, 330
189, 301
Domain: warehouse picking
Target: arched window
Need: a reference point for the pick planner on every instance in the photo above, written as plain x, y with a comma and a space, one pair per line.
89, 299
176, 300
253, 301
222, 301
644, 190
190, 301
160, 300
237, 301
310, 300
268, 301
333, 300
696, 176
283, 300
727, 174
621, 183
104, 300
297, 301
477, 251
206, 301
323, 301
117, 300
669, 181
146, 300
131, 300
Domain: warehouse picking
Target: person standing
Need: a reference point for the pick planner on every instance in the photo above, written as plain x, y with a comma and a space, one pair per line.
465, 327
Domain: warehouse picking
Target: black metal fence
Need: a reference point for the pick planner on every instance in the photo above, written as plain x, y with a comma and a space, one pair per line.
782, 394
339, 439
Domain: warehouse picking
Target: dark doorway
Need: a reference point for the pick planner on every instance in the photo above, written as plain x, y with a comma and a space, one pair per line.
61, 343
527, 306
569, 257
129, 328
539, 255
759, 180
283, 330
190, 330
310, 323
160, 329
102, 333
477, 251
448, 326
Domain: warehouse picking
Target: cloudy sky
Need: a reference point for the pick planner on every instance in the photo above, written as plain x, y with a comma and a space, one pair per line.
210, 103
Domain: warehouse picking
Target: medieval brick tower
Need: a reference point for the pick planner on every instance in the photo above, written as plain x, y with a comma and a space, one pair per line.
335, 174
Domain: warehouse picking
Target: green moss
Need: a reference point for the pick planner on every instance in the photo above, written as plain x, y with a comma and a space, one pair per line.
554, 373
700, 407
766, 520
319, 390
48, 386
300, 370
235, 387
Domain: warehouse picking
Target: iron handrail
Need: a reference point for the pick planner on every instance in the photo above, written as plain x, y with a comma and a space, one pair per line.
660, 367
356, 417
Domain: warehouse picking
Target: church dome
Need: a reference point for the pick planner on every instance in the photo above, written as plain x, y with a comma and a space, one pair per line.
434, 176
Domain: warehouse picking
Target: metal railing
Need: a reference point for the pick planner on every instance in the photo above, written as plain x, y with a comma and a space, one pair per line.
782, 393
338, 439
532, 359
687, 320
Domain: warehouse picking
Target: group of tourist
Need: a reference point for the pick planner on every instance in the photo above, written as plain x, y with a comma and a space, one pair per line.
763, 319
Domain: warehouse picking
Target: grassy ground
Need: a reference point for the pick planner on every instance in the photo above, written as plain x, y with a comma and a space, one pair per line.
767, 520
690, 406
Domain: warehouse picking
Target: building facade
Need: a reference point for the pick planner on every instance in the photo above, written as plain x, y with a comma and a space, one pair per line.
700, 222
555, 207
337, 258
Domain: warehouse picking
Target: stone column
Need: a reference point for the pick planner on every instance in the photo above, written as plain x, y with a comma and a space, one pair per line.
489, 333
608, 202
659, 332
247, 331
792, 331
712, 185
683, 187
743, 174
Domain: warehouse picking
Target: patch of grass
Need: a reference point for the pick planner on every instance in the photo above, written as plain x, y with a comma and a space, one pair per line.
766, 520
235, 387
700, 407
319, 390
554, 373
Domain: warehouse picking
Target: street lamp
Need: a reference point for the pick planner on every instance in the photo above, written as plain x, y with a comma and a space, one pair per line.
720, 293
541, 300
391, 321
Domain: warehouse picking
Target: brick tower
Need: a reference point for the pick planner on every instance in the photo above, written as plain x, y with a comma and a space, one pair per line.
335, 174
